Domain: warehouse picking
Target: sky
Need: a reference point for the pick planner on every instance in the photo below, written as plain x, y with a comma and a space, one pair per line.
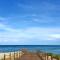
29, 22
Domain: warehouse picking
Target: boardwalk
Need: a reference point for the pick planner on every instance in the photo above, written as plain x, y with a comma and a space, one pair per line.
30, 57
26, 55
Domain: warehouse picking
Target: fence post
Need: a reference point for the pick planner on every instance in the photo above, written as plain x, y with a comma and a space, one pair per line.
19, 55
51, 57
47, 56
10, 55
14, 55
4, 56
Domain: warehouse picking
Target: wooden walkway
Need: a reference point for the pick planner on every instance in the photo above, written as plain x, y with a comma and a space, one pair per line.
30, 57
26, 55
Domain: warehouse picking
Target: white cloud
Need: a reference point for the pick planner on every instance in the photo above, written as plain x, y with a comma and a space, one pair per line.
6, 28
55, 36
28, 34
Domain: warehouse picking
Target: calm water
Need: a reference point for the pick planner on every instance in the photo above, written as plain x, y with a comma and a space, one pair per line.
46, 48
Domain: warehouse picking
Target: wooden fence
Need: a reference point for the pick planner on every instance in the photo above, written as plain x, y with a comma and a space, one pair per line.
47, 56
11, 56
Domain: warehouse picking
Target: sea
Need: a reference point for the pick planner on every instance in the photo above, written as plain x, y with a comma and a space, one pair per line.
45, 48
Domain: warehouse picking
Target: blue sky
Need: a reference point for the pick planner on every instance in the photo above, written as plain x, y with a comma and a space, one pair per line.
30, 22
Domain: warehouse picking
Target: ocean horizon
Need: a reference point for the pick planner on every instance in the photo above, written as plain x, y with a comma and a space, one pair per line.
45, 48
